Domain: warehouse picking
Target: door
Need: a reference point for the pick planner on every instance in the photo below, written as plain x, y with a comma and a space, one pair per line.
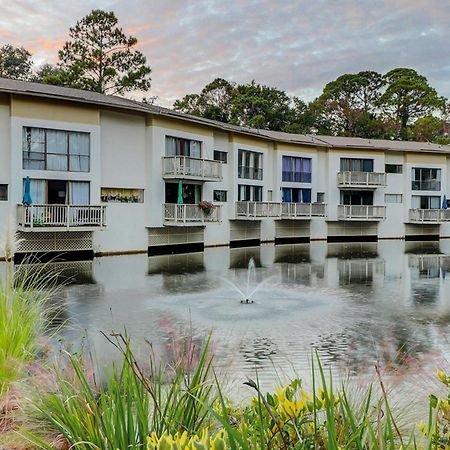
57, 192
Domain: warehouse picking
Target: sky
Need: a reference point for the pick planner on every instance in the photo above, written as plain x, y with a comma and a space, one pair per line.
294, 45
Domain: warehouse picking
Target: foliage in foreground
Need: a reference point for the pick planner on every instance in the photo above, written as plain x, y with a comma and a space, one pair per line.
23, 320
183, 407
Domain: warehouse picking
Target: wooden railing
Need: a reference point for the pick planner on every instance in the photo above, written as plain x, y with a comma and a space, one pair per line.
66, 216
361, 212
174, 214
302, 210
195, 168
429, 215
361, 179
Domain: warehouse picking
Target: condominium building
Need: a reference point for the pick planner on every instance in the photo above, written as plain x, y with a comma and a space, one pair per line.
87, 174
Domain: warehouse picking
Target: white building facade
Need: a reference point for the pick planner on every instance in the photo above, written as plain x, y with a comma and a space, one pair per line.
112, 176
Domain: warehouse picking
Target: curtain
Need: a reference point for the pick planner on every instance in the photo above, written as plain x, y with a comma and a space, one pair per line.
37, 191
286, 168
306, 178
79, 152
257, 193
78, 192
306, 195
57, 150
196, 149
287, 195
171, 146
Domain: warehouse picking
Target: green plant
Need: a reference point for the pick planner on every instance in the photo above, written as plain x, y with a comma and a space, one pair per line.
24, 318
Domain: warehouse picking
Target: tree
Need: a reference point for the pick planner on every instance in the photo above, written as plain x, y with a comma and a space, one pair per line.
251, 105
428, 129
15, 63
259, 106
214, 102
101, 58
348, 104
49, 74
408, 96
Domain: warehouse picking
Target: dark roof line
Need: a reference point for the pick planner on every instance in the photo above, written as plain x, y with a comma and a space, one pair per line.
63, 93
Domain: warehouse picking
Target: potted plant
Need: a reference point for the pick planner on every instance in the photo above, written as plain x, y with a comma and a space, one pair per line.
206, 207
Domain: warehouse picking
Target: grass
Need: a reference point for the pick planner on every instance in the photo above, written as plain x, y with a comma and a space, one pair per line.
24, 319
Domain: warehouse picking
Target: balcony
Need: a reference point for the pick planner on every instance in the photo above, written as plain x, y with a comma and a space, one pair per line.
302, 210
361, 180
189, 215
257, 210
361, 212
435, 216
187, 168
60, 217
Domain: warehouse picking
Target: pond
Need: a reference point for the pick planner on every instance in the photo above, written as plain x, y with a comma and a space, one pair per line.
354, 303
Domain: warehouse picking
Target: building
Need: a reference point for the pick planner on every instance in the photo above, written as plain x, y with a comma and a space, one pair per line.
109, 176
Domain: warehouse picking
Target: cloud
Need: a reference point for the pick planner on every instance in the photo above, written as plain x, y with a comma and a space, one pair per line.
295, 45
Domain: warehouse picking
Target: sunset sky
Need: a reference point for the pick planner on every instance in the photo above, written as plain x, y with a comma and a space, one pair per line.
297, 46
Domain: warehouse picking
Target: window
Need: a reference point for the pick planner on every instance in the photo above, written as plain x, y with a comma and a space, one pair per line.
321, 197
296, 195
393, 198
183, 147
220, 196
356, 198
426, 179
191, 193
220, 156
250, 165
59, 192
45, 149
247, 193
269, 195
356, 165
296, 169
122, 195
425, 202
393, 168
3, 192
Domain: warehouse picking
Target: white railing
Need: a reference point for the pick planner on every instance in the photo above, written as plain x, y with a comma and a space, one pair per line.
67, 216
361, 179
361, 212
302, 210
258, 209
429, 215
174, 214
187, 167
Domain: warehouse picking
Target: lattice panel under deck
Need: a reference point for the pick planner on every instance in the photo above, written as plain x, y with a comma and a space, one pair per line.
54, 242
174, 235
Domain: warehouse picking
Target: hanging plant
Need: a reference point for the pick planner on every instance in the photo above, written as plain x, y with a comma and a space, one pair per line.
206, 207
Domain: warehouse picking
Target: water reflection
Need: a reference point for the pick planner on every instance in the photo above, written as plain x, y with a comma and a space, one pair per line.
354, 303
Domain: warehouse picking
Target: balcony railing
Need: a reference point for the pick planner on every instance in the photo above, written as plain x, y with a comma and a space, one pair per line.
39, 217
361, 179
429, 215
191, 168
190, 215
428, 185
302, 210
250, 173
277, 210
256, 210
361, 212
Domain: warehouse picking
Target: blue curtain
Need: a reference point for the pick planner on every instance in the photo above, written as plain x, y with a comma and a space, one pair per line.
286, 168
306, 195
287, 195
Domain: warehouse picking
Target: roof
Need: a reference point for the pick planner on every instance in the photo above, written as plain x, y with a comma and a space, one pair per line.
80, 96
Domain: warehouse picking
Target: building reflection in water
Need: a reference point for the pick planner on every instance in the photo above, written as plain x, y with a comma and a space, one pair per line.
239, 257
354, 303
